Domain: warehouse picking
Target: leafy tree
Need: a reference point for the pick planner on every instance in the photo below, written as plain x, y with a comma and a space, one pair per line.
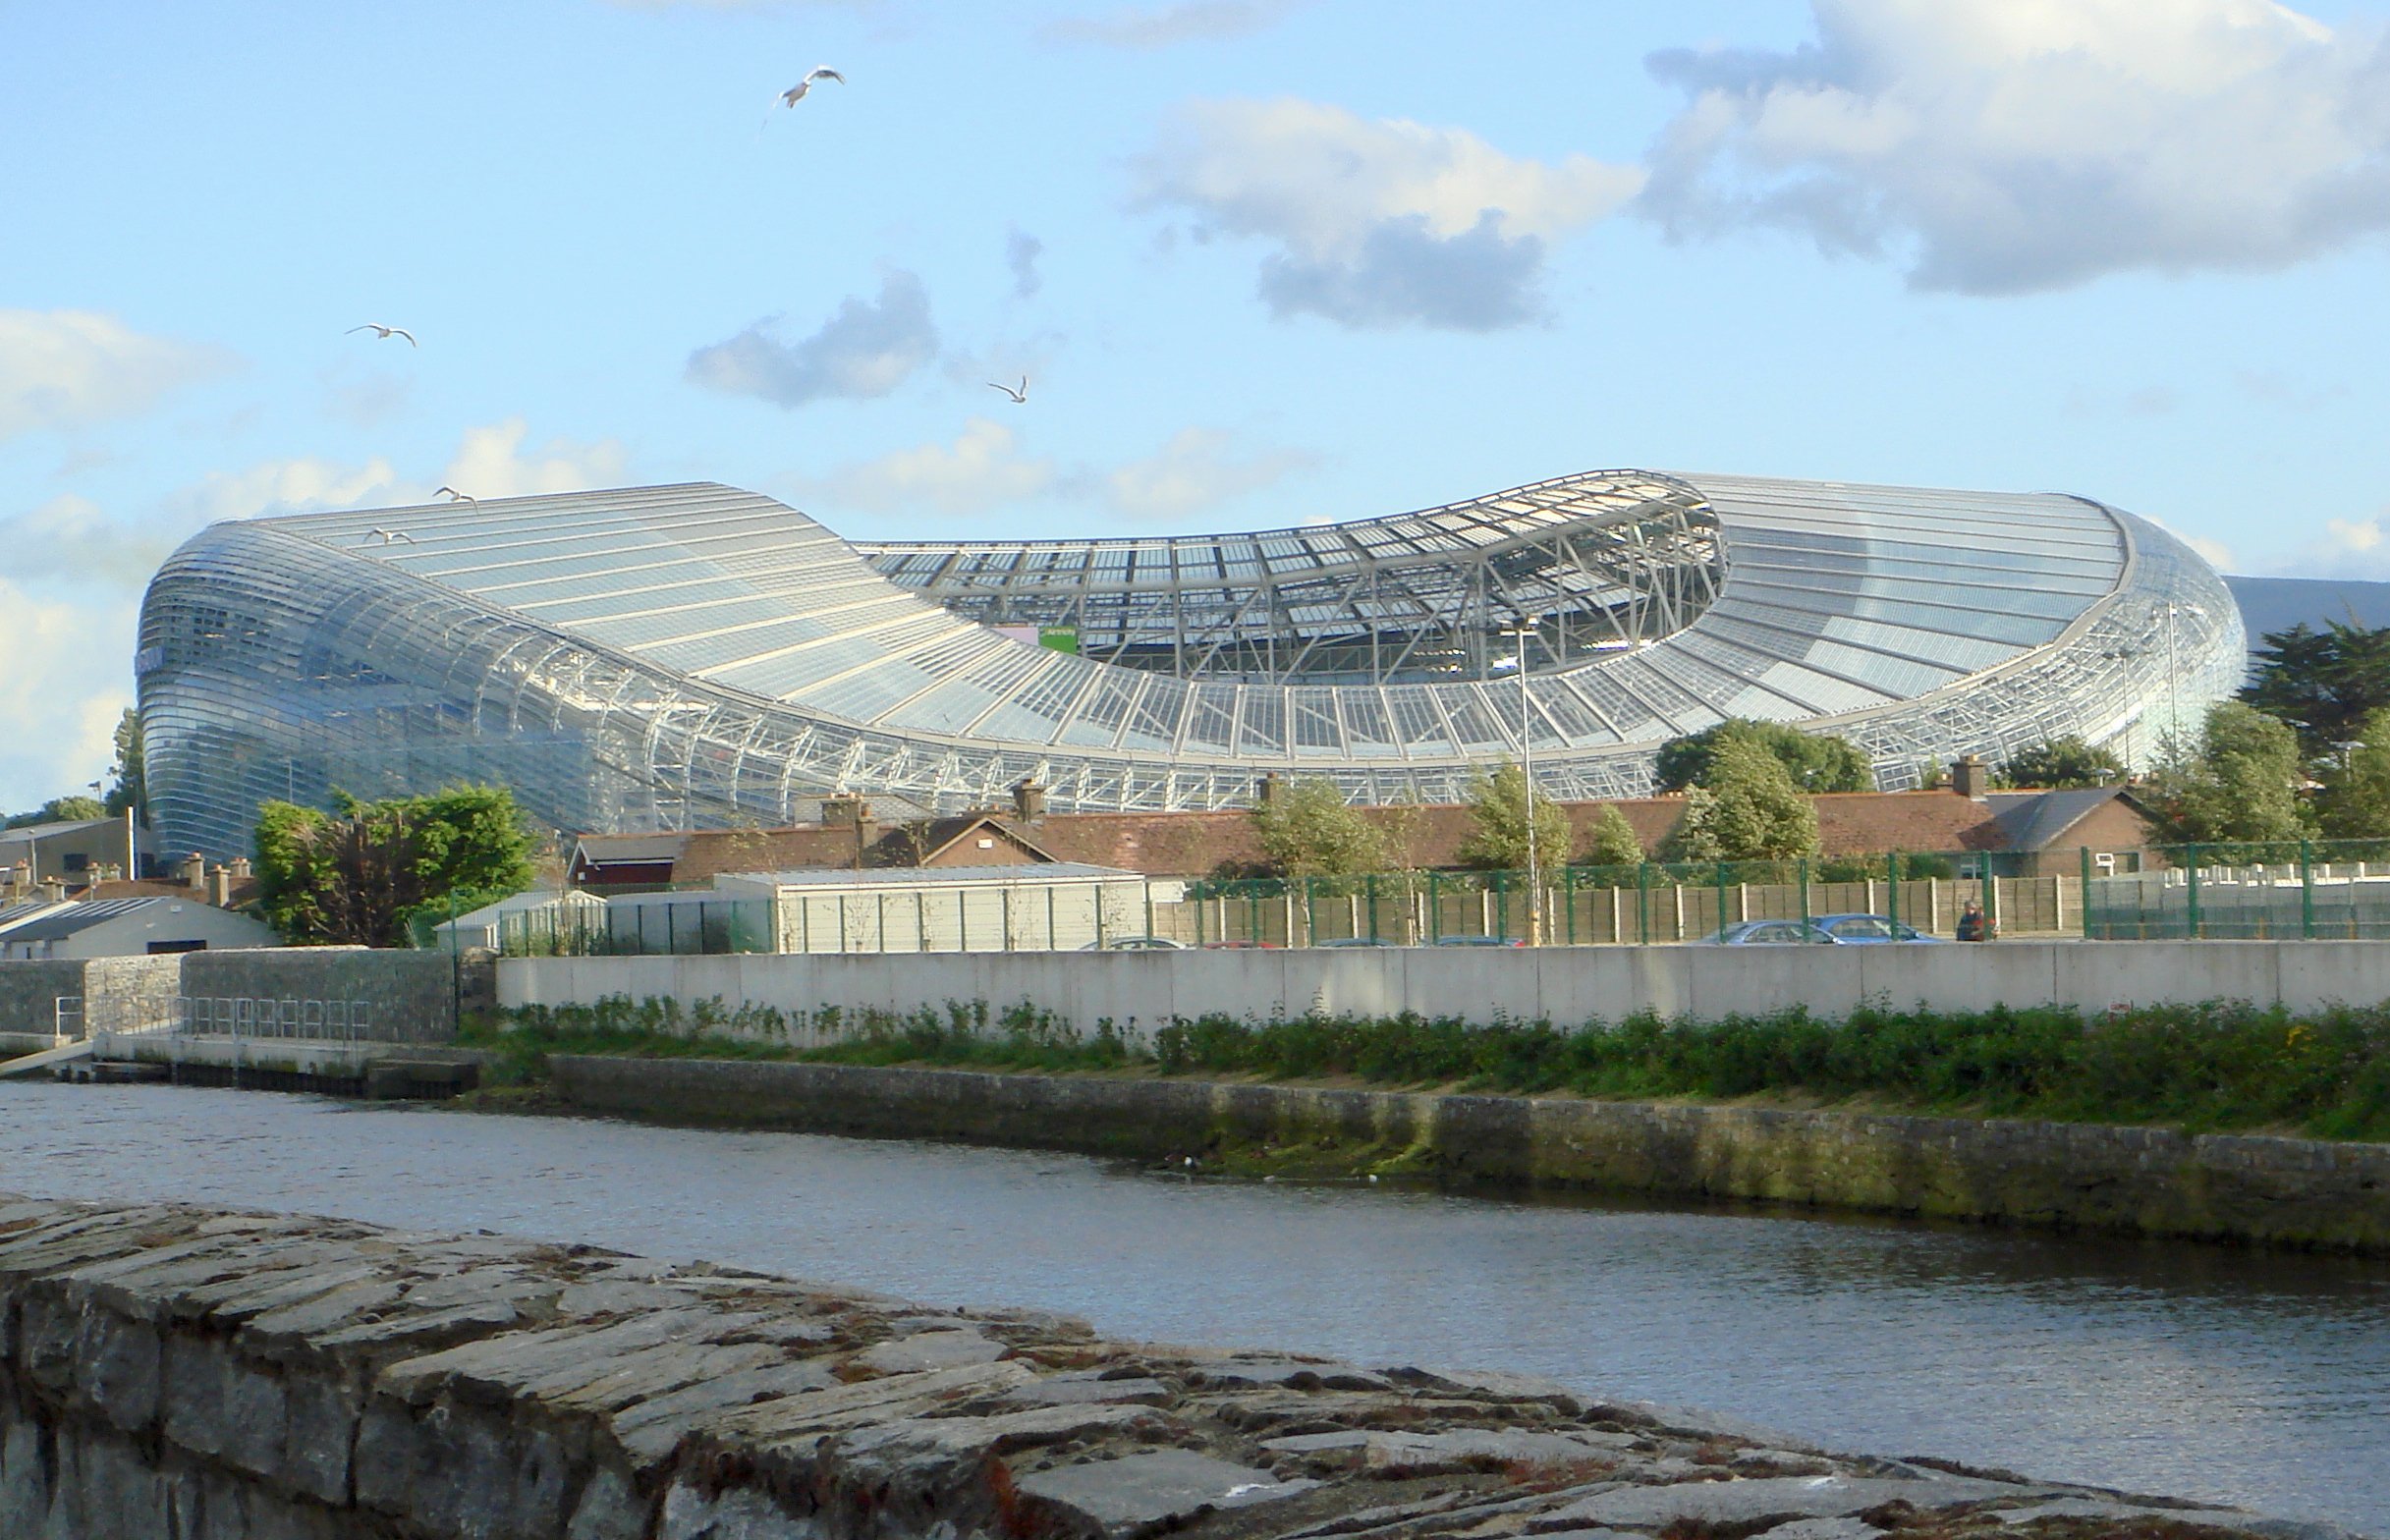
1309, 830
130, 789
363, 874
1497, 807
1746, 809
1816, 762
2324, 684
1612, 841
2062, 762
61, 810
2354, 802
2244, 783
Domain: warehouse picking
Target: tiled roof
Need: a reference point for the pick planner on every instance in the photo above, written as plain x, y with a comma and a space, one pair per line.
1199, 844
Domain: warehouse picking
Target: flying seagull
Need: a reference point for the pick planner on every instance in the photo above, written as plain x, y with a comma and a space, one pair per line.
796, 93
383, 333
389, 536
1019, 396
455, 496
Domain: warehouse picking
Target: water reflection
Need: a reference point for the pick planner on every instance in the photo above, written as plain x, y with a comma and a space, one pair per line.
2245, 1377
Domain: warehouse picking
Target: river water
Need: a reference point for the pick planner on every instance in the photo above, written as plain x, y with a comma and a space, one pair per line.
2203, 1372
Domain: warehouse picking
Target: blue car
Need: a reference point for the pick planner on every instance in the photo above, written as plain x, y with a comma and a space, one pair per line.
1867, 930
1767, 933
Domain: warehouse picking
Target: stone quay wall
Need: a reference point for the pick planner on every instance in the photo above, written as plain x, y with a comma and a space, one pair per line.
171, 1371
2278, 1192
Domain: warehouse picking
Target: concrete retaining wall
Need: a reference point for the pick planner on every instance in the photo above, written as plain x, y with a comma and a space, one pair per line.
2144, 1180
1138, 991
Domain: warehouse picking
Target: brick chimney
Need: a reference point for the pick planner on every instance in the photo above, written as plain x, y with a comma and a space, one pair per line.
240, 868
1971, 776
846, 810
1029, 801
1266, 789
220, 886
194, 872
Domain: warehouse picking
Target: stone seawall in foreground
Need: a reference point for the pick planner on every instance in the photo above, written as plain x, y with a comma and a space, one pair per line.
170, 1371
2276, 1191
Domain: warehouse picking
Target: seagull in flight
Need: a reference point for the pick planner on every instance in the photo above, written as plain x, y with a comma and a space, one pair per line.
796, 93
455, 496
390, 535
1019, 396
383, 333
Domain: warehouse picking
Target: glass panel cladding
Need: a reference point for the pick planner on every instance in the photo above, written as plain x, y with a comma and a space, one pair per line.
676, 656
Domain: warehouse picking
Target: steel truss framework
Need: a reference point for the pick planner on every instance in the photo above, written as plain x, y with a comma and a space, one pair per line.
688, 656
1588, 565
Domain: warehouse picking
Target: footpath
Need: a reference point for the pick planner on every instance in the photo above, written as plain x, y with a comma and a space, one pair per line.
180, 1371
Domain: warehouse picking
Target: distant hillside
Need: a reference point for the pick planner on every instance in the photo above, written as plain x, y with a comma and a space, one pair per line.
2280, 603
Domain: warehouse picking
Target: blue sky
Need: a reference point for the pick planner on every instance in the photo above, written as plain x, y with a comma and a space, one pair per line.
1264, 262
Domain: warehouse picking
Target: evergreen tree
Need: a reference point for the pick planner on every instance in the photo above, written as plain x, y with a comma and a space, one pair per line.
2354, 802
1612, 841
2063, 762
1747, 809
1816, 762
2243, 784
2323, 684
61, 810
1309, 830
1498, 806
364, 875
128, 792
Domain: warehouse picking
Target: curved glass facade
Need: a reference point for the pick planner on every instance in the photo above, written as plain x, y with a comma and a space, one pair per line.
680, 656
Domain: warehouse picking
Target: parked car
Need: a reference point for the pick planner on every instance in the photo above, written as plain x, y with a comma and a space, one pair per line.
1767, 933
1136, 943
1356, 941
1479, 941
1867, 930
1242, 946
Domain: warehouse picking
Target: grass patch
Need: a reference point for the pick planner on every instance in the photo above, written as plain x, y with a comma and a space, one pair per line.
2208, 1068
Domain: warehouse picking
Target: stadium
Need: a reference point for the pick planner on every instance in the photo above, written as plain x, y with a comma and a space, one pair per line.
692, 656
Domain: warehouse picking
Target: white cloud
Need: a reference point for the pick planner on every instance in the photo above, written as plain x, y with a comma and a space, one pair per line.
303, 485
65, 369
1021, 253
490, 462
1195, 471
1377, 223
1166, 25
981, 469
2009, 145
868, 349
65, 679
71, 540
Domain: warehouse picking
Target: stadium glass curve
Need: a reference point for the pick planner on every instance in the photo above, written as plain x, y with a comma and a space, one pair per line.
695, 655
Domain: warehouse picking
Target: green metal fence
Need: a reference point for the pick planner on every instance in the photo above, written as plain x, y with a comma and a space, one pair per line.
1651, 902
2305, 889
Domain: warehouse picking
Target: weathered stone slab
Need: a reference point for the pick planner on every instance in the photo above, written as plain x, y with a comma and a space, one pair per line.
1741, 1502
944, 1348
1118, 1497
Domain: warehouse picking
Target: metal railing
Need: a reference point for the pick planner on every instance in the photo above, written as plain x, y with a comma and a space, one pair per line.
2287, 890
233, 1016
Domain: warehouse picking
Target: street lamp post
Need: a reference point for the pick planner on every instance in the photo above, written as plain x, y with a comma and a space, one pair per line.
1527, 774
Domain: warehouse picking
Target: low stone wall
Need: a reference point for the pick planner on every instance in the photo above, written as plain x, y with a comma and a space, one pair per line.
174, 1371
1141, 991
2277, 1191
412, 995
